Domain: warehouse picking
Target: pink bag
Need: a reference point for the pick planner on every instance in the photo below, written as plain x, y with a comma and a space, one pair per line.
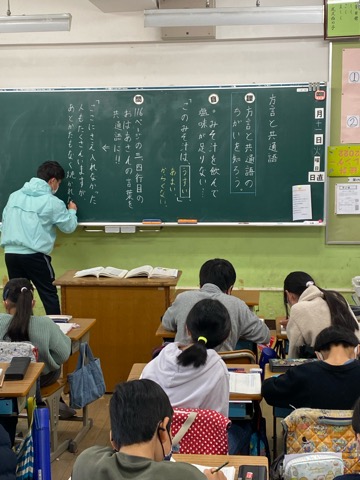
206, 435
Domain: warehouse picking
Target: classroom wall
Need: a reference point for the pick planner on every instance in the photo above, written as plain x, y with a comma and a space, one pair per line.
116, 50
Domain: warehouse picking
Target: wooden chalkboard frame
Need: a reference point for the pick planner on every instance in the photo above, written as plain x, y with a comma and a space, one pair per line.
207, 89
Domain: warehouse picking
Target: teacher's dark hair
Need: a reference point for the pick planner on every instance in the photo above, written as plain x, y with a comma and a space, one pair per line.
219, 272
208, 323
49, 170
18, 293
136, 408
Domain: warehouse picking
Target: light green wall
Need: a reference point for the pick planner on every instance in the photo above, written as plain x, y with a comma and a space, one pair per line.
262, 256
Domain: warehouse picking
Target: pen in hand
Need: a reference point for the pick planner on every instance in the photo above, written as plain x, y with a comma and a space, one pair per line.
217, 469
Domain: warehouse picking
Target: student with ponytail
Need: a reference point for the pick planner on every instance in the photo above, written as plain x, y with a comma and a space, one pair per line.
311, 310
195, 376
20, 325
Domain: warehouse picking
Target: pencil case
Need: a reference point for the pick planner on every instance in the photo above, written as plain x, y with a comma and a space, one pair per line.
17, 368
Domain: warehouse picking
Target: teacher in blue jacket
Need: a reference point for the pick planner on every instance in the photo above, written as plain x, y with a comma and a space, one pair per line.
29, 223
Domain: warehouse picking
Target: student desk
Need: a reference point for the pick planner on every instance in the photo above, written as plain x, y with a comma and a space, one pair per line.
238, 401
21, 389
278, 412
217, 460
77, 335
127, 313
281, 338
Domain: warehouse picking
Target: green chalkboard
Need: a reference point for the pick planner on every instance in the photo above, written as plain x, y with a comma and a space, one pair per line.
216, 154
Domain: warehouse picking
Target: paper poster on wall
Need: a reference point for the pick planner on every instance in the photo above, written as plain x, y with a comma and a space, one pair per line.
301, 202
350, 114
347, 198
341, 19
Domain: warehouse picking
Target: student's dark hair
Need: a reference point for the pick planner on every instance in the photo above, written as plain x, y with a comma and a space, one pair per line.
49, 170
356, 417
298, 282
335, 335
209, 325
19, 293
219, 272
136, 409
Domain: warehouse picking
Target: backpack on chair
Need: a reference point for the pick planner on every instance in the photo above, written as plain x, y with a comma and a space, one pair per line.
200, 431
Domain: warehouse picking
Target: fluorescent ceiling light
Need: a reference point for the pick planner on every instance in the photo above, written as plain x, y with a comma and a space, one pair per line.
193, 17
35, 23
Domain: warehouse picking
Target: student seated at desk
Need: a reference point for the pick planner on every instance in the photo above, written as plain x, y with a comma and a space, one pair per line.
195, 376
140, 419
311, 310
332, 382
20, 325
217, 278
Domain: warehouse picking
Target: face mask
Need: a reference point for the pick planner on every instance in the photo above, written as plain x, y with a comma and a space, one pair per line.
54, 191
169, 455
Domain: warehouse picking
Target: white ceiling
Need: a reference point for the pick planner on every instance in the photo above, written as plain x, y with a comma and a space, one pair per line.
109, 6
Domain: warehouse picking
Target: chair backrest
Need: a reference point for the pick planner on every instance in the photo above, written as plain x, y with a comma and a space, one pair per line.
309, 430
238, 356
207, 434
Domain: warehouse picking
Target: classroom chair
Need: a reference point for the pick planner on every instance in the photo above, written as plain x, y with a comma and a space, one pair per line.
238, 356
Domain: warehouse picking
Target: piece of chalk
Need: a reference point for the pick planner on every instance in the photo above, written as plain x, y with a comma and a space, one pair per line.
187, 220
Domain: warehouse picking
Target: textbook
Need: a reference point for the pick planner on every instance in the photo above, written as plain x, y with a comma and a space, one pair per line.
248, 383
60, 318
143, 271
283, 364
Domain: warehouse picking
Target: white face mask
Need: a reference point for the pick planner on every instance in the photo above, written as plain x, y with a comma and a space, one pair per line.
54, 191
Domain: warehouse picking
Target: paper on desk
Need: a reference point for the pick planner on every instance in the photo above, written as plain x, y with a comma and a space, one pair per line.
66, 327
247, 383
229, 472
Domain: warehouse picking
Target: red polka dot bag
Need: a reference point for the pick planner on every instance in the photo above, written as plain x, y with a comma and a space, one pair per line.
197, 431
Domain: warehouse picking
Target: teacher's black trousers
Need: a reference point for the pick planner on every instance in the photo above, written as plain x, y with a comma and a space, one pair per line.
38, 269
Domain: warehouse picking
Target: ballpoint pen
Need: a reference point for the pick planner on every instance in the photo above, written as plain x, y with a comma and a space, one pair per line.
219, 468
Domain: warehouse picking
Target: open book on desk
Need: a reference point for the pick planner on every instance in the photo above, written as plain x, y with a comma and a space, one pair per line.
247, 383
143, 271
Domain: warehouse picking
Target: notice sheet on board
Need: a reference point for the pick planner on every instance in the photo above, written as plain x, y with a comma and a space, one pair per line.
301, 202
347, 198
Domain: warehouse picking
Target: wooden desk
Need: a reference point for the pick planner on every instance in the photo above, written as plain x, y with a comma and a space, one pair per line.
77, 335
127, 313
166, 335
137, 369
21, 389
278, 412
281, 338
217, 460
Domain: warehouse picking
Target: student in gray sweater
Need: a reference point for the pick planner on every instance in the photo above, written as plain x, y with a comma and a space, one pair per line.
217, 278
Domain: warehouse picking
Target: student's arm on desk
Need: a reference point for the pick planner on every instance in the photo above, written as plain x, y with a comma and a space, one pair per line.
59, 345
283, 390
251, 327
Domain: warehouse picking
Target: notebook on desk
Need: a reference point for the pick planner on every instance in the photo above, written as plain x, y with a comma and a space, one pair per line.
61, 318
